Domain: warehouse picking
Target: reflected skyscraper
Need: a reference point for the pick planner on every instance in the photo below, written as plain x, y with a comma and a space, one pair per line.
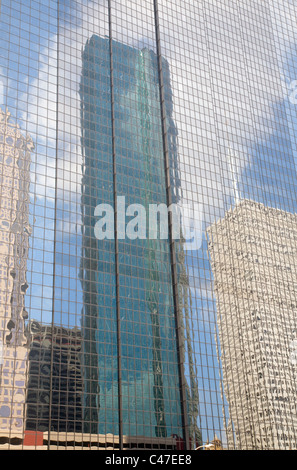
253, 256
15, 159
15, 228
146, 344
54, 383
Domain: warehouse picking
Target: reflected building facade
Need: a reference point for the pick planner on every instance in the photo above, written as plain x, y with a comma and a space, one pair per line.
54, 383
134, 341
15, 229
132, 167
253, 257
15, 154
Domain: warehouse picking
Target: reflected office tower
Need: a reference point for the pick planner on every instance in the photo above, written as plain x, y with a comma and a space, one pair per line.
54, 385
15, 158
147, 382
253, 257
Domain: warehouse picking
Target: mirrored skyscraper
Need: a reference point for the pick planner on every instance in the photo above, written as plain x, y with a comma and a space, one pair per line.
132, 167
253, 257
16, 151
124, 325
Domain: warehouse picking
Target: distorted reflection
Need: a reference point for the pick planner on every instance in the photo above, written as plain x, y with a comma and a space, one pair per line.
15, 155
148, 345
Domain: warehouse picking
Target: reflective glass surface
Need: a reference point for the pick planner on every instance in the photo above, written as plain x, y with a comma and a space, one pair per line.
148, 224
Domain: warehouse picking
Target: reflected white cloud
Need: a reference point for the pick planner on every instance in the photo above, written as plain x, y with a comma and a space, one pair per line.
214, 104
4, 83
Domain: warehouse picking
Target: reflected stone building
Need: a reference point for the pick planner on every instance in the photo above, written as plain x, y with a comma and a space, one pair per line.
15, 152
253, 257
15, 158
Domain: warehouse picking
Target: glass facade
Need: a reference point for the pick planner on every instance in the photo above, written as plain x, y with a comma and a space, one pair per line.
148, 224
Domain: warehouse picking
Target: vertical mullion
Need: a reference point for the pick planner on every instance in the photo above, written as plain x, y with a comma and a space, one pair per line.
55, 234
117, 273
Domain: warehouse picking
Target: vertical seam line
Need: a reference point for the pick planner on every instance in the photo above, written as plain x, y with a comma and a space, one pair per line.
117, 274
